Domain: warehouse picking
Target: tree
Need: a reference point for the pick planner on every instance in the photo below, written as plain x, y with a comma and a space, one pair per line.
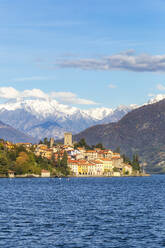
82, 143
46, 142
64, 161
99, 145
135, 162
58, 160
3, 164
126, 159
64, 164
22, 158
117, 150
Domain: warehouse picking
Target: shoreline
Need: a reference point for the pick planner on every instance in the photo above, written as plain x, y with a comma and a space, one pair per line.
74, 176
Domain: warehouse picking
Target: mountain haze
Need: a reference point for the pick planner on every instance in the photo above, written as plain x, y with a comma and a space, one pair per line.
11, 134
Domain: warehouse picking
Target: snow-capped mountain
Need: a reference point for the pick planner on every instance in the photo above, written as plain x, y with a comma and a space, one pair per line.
157, 98
48, 118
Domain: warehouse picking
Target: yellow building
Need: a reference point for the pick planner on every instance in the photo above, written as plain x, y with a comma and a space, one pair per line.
9, 145
82, 167
107, 165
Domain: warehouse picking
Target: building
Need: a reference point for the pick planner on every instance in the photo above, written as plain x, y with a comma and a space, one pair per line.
107, 165
45, 173
90, 155
127, 169
43, 151
73, 165
51, 142
116, 174
105, 154
68, 139
11, 174
99, 167
9, 145
26, 145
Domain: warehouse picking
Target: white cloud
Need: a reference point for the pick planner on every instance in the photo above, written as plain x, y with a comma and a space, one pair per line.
69, 97
64, 97
8, 93
160, 87
36, 93
127, 61
112, 86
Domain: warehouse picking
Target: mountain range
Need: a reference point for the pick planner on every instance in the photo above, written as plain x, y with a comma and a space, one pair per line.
41, 118
140, 131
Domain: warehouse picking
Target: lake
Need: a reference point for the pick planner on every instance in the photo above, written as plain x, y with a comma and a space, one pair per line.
82, 212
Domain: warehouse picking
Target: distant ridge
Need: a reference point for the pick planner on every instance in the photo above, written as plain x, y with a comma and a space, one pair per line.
140, 131
11, 134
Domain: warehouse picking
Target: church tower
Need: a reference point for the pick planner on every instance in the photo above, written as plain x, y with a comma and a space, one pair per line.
68, 139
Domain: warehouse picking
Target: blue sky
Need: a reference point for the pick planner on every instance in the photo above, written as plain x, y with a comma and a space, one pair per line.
108, 52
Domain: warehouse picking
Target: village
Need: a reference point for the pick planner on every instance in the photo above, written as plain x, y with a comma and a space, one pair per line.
80, 161
84, 162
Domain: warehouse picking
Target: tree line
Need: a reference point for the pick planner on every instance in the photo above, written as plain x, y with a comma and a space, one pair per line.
22, 161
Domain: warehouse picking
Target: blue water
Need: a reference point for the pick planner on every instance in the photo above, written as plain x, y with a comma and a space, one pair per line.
82, 212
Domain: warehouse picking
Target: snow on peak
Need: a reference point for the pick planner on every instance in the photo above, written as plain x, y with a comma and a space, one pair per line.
98, 113
49, 107
44, 107
157, 98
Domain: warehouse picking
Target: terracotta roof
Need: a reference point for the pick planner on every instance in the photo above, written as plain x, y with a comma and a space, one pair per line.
72, 161
97, 162
105, 159
115, 157
91, 151
45, 171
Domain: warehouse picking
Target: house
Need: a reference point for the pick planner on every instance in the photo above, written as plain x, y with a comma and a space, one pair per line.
9, 145
105, 153
11, 174
116, 174
45, 173
117, 161
90, 155
82, 167
127, 169
43, 151
107, 165
99, 167
91, 169
73, 165
26, 145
